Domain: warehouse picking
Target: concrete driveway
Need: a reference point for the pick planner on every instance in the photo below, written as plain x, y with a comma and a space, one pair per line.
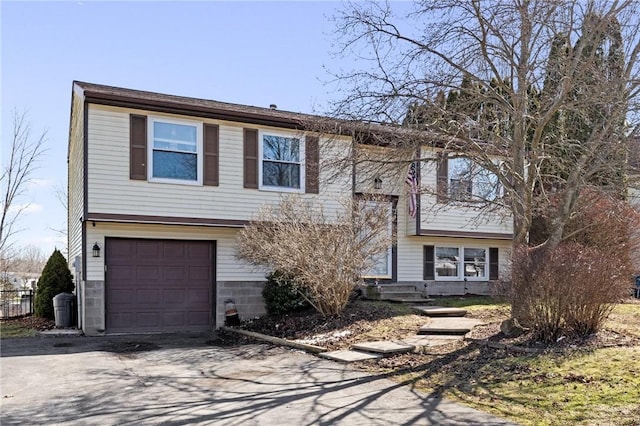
187, 379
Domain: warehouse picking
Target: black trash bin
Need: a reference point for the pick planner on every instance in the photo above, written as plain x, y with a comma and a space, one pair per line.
63, 309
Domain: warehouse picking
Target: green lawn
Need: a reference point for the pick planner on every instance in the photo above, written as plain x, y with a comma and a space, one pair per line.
578, 386
15, 329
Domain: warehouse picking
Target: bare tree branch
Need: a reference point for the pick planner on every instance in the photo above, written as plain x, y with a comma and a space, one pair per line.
24, 154
325, 253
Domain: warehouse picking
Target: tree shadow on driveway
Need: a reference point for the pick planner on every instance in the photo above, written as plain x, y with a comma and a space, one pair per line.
249, 384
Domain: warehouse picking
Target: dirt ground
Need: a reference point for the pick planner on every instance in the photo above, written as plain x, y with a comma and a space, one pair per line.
367, 320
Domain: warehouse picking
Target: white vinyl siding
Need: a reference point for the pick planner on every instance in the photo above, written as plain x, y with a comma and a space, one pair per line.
76, 182
411, 248
228, 268
455, 216
371, 164
111, 190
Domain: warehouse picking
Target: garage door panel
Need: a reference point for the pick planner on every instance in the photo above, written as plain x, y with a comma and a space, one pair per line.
174, 319
173, 273
148, 297
198, 251
123, 297
175, 297
198, 319
146, 273
147, 249
124, 250
199, 273
122, 319
197, 296
159, 285
148, 319
175, 250
121, 274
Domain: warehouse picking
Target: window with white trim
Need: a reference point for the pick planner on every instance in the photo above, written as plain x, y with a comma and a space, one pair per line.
175, 152
470, 182
281, 162
457, 263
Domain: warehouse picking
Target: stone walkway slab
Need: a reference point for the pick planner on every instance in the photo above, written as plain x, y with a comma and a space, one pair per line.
383, 347
431, 341
439, 311
349, 356
451, 325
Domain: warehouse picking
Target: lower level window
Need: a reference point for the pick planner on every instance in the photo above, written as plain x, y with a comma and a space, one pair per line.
447, 261
460, 263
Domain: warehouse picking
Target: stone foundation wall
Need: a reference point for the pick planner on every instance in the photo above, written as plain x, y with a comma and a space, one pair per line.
454, 288
93, 321
247, 296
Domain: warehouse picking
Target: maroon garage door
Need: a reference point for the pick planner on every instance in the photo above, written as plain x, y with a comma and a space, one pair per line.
159, 285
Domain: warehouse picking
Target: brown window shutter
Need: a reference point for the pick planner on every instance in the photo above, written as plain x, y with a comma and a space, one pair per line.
312, 165
493, 263
138, 147
250, 158
211, 155
442, 190
428, 272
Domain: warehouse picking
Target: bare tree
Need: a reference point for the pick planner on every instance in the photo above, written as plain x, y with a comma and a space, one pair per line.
29, 262
61, 194
24, 152
326, 252
479, 79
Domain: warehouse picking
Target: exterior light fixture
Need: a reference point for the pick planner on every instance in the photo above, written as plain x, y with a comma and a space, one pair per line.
377, 183
96, 250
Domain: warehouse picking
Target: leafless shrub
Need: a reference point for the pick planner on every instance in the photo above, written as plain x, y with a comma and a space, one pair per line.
326, 252
570, 290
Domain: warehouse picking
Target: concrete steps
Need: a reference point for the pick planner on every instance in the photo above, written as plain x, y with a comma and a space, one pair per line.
439, 311
445, 326
402, 293
369, 350
449, 326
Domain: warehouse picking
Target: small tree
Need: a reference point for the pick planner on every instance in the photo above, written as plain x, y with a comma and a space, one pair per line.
326, 253
572, 289
56, 278
25, 151
29, 263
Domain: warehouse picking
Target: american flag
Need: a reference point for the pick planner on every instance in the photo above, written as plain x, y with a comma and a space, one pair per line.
412, 181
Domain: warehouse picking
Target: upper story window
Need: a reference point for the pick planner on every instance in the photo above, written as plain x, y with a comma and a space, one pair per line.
281, 162
467, 181
175, 150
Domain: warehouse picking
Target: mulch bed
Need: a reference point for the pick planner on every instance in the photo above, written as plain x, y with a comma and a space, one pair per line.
29, 321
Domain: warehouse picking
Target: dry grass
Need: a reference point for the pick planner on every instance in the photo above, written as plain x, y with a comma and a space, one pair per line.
591, 382
625, 318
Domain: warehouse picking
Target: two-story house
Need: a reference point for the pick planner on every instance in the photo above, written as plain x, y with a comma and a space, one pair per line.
159, 186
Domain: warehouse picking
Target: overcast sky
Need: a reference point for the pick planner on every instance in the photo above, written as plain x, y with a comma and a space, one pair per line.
254, 53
